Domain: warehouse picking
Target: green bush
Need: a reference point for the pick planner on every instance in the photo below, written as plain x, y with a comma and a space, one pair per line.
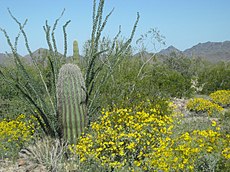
10, 103
173, 83
215, 77
155, 80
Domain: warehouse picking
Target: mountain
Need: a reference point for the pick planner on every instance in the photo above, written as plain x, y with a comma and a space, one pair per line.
213, 51
169, 50
38, 53
42, 52
145, 54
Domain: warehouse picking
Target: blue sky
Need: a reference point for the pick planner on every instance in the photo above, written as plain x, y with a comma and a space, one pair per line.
184, 23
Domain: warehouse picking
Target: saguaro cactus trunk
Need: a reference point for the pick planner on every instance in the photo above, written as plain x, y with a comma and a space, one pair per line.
76, 57
71, 102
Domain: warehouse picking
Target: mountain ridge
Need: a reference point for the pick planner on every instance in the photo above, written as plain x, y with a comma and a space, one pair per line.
169, 50
212, 51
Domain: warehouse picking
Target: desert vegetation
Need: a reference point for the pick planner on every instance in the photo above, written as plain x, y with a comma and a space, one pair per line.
111, 110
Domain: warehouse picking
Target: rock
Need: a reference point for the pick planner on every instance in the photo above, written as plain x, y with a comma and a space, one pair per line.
21, 162
180, 106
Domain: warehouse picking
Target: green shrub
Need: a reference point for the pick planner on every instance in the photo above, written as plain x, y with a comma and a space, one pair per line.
215, 77
174, 84
155, 80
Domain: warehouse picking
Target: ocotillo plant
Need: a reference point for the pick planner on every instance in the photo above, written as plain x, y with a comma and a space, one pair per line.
37, 89
71, 105
98, 69
76, 57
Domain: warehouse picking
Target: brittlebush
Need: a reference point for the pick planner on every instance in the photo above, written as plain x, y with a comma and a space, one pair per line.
203, 105
14, 133
139, 139
221, 97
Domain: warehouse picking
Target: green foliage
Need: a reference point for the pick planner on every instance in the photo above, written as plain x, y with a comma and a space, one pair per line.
128, 85
180, 64
101, 63
215, 77
39, 91
11, 101
138, 135
172, 83
71, 105
10, 104
33, 89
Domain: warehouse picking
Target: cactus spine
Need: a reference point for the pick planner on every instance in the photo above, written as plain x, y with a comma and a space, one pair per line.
71, 97
76, 57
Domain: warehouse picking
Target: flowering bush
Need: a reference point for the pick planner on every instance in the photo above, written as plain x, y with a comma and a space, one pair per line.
221, 97
134, 140
14, 133
203, 105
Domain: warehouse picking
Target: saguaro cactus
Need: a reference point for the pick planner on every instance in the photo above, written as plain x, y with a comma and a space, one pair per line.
76, 57
71, 97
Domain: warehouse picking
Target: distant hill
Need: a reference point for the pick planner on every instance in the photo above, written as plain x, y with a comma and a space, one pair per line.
38, 53
144, 54
169, 50
41, 53
213, 51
